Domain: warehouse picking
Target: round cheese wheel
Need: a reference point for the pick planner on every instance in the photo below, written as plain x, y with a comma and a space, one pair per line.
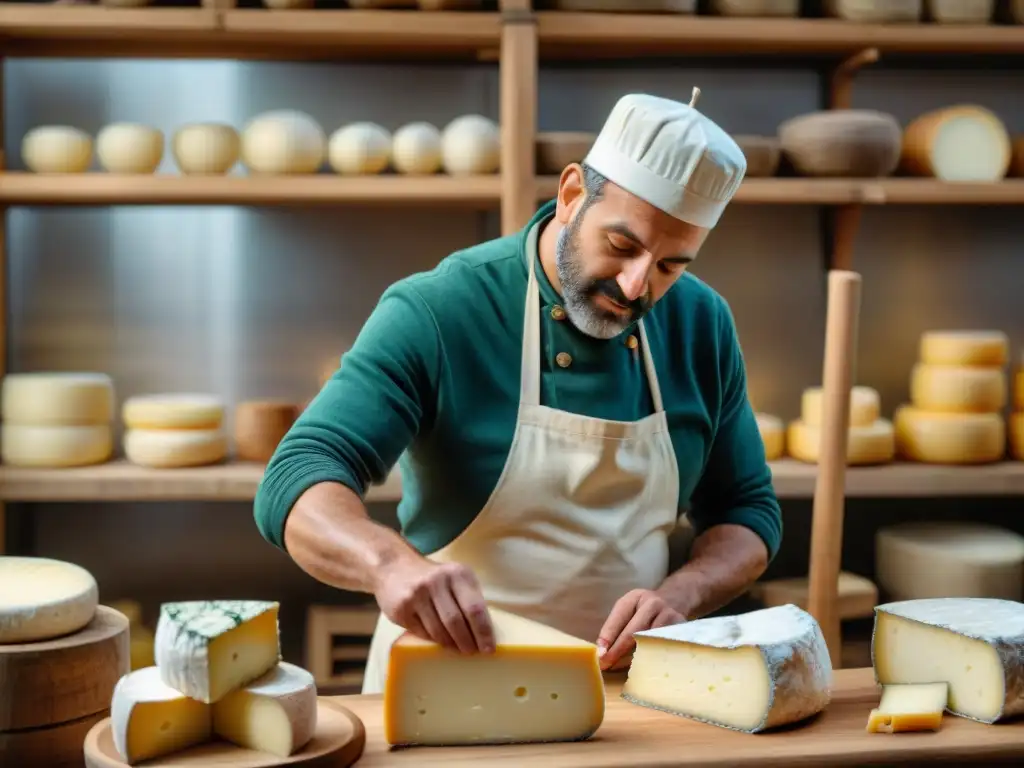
958, 388
865, 406
1016, 427
168, 448
41, 599
961, 143
964, 348
773, 435
57, 399
360, 149
853, 143
471, 145
56, 447
206, 149
57, 149
949, 438
416, 149
173, 411
871, 444
283, 141
259, 427
130, 148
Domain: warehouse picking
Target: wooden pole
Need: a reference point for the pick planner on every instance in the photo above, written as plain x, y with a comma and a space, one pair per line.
518, 83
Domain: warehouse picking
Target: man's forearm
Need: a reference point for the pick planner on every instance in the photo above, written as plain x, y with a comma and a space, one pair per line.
724, 561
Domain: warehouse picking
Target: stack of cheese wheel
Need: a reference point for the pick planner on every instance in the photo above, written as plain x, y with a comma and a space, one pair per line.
174, 430
773, 435
1017, 417
870, 440
957, 394
57, 420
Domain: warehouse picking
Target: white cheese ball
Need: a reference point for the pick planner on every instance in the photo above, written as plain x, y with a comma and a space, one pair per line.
130, 148
206, 149
57, 149
359, 148
471, 145
283, 141
416, 149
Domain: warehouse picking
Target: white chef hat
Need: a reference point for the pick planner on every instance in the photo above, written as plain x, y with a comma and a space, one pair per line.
670, 155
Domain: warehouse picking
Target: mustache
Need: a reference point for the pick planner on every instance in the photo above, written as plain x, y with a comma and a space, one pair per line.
610, 288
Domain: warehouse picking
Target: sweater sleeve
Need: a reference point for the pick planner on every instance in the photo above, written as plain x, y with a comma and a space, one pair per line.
365, 416
736, 486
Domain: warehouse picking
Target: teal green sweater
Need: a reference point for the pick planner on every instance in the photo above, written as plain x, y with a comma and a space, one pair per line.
432, 382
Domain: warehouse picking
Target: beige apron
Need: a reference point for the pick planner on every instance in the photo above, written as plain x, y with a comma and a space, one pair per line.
580, 516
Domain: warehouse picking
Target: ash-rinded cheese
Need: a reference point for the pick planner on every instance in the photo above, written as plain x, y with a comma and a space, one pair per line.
749, 672
974, 644
539, 685
910, 707
57, 399
208, 648
41, 599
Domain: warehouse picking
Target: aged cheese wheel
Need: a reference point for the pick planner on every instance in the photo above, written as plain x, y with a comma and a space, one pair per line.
57, 399
360, 149
627, 6
55, 447
41, 599
865, 406
773, 435
958, 388
1016, 428
57, 149
169, 448
416, 149
557, 149
206, 149
964, 348
283, 141
853, 143
130, 148
960, 143
173, 411
471, 145
875, 11
856, 595
756, 7
949, 438
762, 153
961, 11
259, 427
873, 444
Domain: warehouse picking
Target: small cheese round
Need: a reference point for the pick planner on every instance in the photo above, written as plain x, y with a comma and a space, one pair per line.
56, 447
773, 435
206, 149
416, 149
57, 399
259, 427
283, 141
130, 148
958, 388
949, 438
1016, 428
57, 149
359, 149
41, 599
865, 406
964, 348
871, 444
167, 448
471, 145
173, 411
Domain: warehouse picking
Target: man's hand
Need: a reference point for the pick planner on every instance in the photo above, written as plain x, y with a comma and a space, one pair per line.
439, 602
634, 612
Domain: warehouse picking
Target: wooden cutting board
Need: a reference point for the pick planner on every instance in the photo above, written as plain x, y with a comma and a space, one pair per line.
643, 738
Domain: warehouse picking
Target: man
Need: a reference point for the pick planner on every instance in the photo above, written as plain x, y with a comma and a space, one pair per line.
556, 398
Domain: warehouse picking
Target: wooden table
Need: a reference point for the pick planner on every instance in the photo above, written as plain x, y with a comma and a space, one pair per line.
637, 737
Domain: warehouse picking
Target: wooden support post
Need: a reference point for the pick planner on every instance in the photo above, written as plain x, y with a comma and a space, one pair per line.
518, 84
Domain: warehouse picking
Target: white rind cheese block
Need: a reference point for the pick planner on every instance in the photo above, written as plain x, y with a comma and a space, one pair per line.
359, 149
149, 719
976, 645
958, 388
773, 435
949, 559
909, 708
874, 444
57, 149
170, 448
750, 672
173, 411
58, 399
275, 714
130, 148
41, 599
865, 406
949, 438
52, 447
989, 348
208, 648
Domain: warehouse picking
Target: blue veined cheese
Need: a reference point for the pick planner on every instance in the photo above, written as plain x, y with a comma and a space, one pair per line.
208, 648
749, 672
974, 644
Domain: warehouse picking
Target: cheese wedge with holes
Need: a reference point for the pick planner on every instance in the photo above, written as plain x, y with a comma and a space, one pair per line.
539, 685
206, 649
909, 707
873, 444
749, 672
949, 438
865, 406
975, 645
958, 388
41, 599
773, 435
964, 348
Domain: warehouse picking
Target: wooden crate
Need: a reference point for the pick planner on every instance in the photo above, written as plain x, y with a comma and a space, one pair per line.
337, 644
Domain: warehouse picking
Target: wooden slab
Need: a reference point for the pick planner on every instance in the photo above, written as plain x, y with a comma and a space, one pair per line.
337, 743
643, 738
56, 746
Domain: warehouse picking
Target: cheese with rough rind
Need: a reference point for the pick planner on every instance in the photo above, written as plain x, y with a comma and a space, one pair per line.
909, 707
865, 406
149, 719
773, 435
274, 714
873, 444
958, 388
168, 448
974, 644
57, 398
949, 438
749, 672
53, 447
41, 598
538, 685
208, 648
173, 411
990, 348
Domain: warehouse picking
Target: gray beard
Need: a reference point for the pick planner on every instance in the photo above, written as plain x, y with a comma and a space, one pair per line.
580, 310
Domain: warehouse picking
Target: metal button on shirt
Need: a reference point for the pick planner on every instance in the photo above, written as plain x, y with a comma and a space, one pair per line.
557, 313
564, 359
631, 342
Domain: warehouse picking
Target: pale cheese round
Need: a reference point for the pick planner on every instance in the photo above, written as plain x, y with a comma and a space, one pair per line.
773, 435
865, 406
1016, 429
949, 438
958, 388
56, 447
416, 149
206, 149
872, 444
41, 599
359, 149
130, 148
173, 411
283, 141
57, 149
471, 145
57, 398
169, 448
964, 348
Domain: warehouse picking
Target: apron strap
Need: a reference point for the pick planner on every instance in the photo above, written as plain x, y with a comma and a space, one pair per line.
652, 374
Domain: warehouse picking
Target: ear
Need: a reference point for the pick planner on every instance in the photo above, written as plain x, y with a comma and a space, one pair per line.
570, 193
